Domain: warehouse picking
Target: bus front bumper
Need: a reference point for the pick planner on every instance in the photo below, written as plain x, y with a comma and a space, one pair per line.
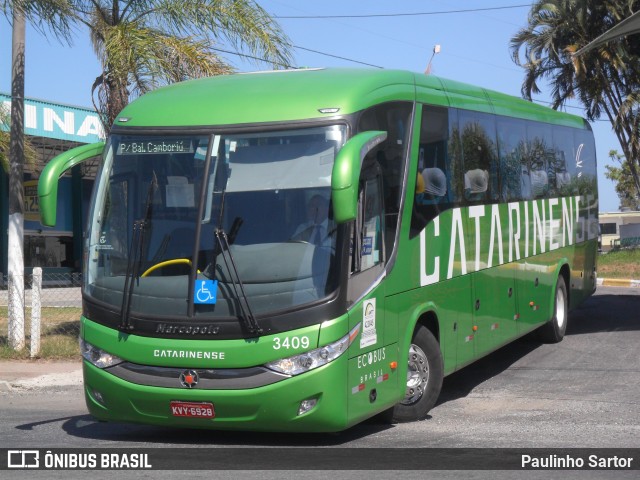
273, 407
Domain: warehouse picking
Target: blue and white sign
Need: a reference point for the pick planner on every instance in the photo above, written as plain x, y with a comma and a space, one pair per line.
63, 122
367, 245
206, 292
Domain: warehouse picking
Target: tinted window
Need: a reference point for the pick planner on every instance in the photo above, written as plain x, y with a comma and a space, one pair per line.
512, 148
563, 176
540, 155
479, 156
393, 118
435, 176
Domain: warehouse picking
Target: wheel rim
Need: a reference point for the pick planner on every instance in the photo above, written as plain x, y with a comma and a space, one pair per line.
417, 375
561, 314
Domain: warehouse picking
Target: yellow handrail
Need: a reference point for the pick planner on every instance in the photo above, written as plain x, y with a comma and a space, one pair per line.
174, 261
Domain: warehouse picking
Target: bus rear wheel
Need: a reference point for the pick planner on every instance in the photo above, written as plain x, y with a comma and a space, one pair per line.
424, 377
553, 331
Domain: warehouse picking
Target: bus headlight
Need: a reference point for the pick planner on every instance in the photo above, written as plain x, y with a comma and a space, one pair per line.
303, 362
96, 356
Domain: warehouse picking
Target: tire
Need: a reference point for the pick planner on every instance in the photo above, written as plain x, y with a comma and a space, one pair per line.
424, 378
553, 331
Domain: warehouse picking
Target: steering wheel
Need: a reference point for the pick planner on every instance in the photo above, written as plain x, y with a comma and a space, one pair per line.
166, 263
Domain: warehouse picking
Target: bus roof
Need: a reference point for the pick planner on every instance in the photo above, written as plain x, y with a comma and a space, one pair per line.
309, 94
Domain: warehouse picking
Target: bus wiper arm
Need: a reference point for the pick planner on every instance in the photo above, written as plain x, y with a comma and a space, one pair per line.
127, 292
224, 243
136, 254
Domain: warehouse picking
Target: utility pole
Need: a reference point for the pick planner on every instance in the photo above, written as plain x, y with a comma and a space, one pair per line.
436, 50
16, 193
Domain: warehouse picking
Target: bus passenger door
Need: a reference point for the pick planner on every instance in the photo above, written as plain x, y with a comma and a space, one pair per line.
371, 381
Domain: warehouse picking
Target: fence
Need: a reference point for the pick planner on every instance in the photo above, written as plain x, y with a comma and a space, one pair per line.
627, 242
52, 308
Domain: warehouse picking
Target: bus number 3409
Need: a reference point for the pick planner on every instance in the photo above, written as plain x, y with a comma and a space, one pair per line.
291, 342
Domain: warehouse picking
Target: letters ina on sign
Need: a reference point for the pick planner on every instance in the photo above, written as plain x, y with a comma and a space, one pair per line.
62, 122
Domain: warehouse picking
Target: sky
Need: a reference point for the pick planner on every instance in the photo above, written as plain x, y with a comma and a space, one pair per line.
474, 48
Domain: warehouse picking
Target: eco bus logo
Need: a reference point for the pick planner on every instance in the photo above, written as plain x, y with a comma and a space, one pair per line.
23, 459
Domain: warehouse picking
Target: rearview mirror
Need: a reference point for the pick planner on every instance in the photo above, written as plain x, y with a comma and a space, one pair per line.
346, 173
48, 182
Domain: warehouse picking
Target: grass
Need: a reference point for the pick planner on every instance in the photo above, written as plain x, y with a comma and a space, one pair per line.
620, 264
59, 330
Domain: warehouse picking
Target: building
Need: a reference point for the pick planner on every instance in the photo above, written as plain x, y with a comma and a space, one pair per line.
52, 129
618, 228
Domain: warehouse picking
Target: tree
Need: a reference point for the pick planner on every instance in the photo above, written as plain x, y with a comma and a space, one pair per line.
624, 181
144, 44
16, 168
606, 80
45, 15
47, 12
30, 153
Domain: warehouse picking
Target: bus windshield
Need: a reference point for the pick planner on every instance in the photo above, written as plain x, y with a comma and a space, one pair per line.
162, 201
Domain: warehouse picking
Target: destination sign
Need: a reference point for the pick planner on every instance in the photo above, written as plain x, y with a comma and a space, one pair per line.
146, 146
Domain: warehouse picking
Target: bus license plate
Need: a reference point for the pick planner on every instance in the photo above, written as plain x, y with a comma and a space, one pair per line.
192, 409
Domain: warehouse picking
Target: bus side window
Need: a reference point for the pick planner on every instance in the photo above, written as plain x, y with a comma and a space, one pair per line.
367, 241
564, 161
434, 191
539, 158
512, 146
393, 118
479, 154
371, 252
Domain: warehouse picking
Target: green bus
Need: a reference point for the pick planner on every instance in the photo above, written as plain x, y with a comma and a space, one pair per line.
302, 250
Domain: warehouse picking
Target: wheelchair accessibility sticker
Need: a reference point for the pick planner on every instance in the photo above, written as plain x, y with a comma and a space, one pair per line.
205, 292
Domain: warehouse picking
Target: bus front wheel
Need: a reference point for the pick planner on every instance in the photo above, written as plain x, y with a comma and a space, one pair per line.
424, 377
553, 331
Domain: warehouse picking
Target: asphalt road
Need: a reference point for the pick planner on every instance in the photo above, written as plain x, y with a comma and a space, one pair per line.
583, 392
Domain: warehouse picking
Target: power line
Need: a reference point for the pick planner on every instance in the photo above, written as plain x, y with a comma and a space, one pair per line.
285, 65
575, 107
443, 12
299, 48
362, 63
336, 56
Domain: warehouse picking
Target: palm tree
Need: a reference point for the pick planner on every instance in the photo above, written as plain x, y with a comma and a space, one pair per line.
51, 15
606, 80
623, 179
144, 44
44, 15
30, 153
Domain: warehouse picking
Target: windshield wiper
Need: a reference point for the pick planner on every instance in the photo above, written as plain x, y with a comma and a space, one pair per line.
224, 243
136, 254
222, 247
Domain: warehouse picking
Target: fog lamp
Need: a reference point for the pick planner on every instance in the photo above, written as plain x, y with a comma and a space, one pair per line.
97, 396
307, 405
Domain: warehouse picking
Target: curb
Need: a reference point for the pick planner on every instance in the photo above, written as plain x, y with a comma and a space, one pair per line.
43, 381
617, 282
21, 375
